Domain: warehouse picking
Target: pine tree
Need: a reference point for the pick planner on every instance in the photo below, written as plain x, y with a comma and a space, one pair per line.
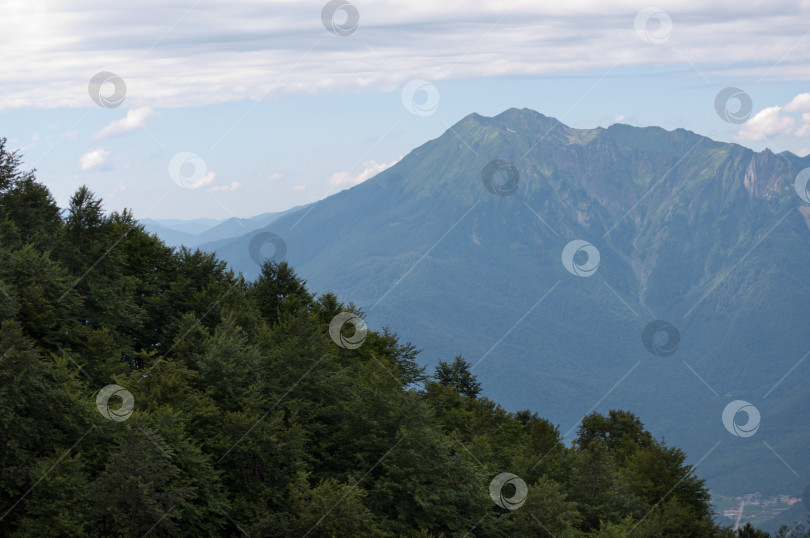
457, 375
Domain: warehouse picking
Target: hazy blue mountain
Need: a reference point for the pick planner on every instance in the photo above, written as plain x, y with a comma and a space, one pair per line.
191, 226
708, 236
169, 235
234, 227
192, 233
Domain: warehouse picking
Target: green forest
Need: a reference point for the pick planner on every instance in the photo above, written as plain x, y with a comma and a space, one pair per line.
147, 390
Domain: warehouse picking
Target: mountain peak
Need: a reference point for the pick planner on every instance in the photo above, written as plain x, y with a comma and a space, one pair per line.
512, 117
682, 223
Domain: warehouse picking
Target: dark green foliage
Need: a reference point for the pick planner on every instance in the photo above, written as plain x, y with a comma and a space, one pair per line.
27, 209
458, 376
620, 430
796, 530
249, 419
597, 485
748, 531
278, 289
139, 485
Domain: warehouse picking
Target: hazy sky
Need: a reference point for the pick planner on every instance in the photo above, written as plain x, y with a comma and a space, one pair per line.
215, 109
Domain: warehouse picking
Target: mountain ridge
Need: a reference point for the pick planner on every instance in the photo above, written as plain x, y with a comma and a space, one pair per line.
701, 233
175, 233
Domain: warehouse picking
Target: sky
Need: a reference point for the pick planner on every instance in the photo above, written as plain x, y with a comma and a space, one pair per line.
212, 109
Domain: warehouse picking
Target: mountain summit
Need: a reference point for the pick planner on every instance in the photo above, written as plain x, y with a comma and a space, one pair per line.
587, 269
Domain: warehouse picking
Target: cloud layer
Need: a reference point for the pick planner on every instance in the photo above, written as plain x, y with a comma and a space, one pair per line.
171, 55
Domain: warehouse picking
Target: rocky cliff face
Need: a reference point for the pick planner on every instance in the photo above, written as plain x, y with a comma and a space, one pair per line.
766, 175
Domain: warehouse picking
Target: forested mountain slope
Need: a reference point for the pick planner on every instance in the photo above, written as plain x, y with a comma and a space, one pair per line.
145, 390
460, 246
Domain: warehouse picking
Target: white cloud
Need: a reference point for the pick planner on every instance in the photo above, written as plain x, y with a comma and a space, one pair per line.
225, 188
135, 119
207, 179
369, 170
800, 103
779, 121
275, 175
300, 188
804, 130
766, 123
94, 158
245, 50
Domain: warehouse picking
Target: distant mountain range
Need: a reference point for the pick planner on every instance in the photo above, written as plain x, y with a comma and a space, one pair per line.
637, 268
194, 232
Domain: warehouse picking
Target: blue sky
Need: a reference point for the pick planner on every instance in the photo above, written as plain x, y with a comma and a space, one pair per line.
269, 109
